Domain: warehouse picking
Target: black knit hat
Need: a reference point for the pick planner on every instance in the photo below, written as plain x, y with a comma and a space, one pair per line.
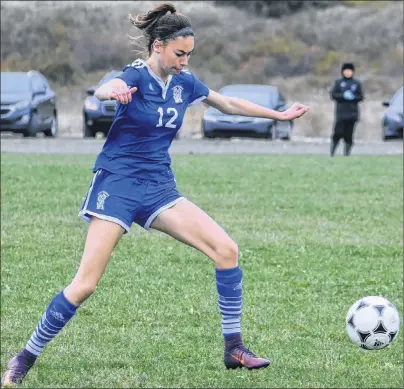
347, 65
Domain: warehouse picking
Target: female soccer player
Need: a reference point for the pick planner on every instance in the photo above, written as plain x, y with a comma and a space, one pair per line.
133, 182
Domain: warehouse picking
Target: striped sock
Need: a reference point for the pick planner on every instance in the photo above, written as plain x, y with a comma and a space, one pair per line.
58, 313
229, 287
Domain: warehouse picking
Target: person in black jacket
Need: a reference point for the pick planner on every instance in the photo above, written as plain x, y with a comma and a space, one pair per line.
347, 92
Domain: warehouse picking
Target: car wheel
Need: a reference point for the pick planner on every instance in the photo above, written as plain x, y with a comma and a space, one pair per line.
208, 135
31, 131
87, 130
52, 132
385, 137
282, 130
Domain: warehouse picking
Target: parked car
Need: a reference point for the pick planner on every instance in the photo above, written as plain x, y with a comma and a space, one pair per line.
28, 104
98, 115
215, 123
392, 122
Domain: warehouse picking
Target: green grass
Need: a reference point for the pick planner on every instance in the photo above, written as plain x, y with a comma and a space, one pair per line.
315, 235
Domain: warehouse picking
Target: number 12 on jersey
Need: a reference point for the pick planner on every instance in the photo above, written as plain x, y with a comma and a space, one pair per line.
170, 111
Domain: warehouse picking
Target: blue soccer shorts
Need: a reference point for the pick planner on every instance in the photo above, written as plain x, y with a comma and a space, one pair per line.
125, 200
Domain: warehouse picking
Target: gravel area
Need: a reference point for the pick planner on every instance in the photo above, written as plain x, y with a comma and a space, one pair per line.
319, 146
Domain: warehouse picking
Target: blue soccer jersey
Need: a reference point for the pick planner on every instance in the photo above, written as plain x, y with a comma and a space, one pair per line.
141, 134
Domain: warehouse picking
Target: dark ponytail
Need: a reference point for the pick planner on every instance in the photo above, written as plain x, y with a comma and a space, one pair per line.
162, 23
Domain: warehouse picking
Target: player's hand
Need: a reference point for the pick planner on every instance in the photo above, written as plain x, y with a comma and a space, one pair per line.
122, 93
294, 112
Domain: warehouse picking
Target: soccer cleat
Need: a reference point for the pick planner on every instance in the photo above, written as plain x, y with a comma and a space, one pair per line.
239, 356
17, 369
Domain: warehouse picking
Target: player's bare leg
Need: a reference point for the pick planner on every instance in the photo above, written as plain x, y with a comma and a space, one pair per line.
102, 237
189, 224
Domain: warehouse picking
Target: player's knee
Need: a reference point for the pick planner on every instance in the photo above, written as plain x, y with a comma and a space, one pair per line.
227, 255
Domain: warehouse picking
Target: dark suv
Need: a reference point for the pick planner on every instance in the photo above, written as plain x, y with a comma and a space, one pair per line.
28, 104
98, 115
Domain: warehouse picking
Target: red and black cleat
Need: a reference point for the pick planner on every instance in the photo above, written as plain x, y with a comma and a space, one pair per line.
236, 355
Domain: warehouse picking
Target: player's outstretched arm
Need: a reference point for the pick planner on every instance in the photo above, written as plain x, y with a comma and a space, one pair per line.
236, 106
115, 89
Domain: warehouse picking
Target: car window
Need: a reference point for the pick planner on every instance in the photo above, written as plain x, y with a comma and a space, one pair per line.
281, 99
45, 82
109, 76
259, 97
397, 99
38, 85
14, 83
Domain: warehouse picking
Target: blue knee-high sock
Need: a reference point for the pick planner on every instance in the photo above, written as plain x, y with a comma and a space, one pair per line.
229, 283
56, 316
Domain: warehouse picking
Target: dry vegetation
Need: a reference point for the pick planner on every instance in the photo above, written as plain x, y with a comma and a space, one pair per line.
73, 43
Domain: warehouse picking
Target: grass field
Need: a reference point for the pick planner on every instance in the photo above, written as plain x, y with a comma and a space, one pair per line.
315, 235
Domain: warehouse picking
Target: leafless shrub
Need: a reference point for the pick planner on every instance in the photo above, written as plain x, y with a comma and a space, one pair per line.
365, 29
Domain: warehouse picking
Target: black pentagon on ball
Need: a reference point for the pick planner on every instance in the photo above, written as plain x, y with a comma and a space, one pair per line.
380, 329
363, 335
350, 321
379, 308
392, 335
361, 305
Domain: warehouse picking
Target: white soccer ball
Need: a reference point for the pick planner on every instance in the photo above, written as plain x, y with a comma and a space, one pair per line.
372, 322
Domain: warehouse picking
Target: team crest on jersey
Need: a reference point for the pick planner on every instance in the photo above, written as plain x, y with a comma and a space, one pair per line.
177, 93
102, 196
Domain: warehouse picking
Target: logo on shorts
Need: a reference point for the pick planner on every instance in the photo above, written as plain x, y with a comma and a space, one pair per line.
177, 93
102, 196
